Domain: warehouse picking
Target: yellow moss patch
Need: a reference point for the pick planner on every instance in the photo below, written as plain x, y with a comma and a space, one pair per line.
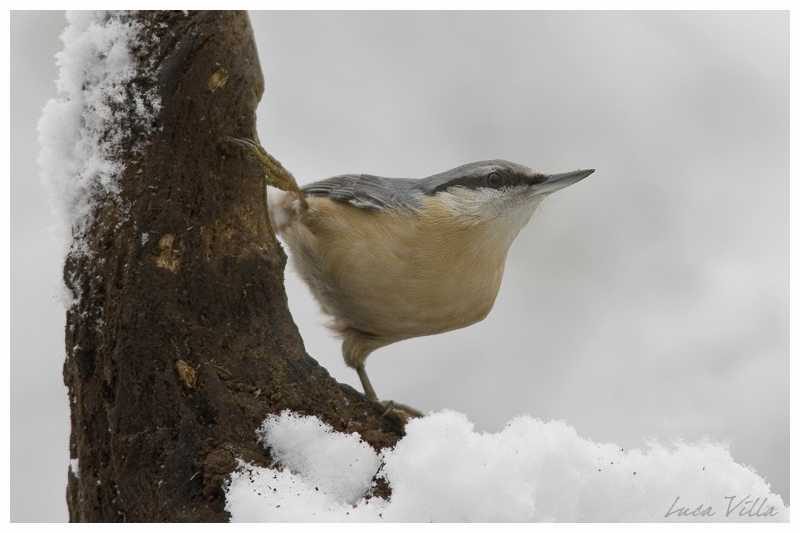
218, 79
169, 257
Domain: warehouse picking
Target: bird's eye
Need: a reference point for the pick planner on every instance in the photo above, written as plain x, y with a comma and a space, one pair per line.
494, 180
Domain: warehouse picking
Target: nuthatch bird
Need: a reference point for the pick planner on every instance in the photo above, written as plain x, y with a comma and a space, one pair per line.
390, 259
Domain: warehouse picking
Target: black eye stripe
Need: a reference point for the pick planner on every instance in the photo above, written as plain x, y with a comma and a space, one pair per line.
497, 175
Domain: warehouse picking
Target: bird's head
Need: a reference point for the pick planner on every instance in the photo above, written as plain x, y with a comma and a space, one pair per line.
495, 189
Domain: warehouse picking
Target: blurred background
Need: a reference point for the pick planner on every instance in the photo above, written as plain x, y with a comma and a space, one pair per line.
649, 301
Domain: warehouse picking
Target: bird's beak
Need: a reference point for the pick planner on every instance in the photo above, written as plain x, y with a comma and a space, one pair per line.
555, 182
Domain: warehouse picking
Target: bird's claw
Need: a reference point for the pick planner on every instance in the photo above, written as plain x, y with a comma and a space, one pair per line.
404, 412
277, 175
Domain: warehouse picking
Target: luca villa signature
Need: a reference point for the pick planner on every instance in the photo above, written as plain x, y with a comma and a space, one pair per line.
736, 507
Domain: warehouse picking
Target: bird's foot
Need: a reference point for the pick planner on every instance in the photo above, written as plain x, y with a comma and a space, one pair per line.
402, 411
277, 175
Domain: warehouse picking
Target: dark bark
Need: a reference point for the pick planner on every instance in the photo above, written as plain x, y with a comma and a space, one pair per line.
180, 341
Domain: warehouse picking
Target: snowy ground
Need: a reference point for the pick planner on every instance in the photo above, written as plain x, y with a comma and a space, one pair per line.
531, 471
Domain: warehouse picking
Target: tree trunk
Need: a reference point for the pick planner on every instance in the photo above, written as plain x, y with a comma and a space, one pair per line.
180, 340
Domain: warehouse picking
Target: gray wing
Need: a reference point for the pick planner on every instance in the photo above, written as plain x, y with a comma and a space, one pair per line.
369, 192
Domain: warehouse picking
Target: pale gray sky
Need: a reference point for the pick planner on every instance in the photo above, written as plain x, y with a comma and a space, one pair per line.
648, 301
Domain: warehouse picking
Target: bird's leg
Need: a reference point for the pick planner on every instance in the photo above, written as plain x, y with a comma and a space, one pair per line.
369, 392
391, 406
277, 175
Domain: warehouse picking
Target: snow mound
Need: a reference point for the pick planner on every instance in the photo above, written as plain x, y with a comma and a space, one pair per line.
443, 471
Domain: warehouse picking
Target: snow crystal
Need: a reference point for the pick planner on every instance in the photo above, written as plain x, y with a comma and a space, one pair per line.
443, 471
